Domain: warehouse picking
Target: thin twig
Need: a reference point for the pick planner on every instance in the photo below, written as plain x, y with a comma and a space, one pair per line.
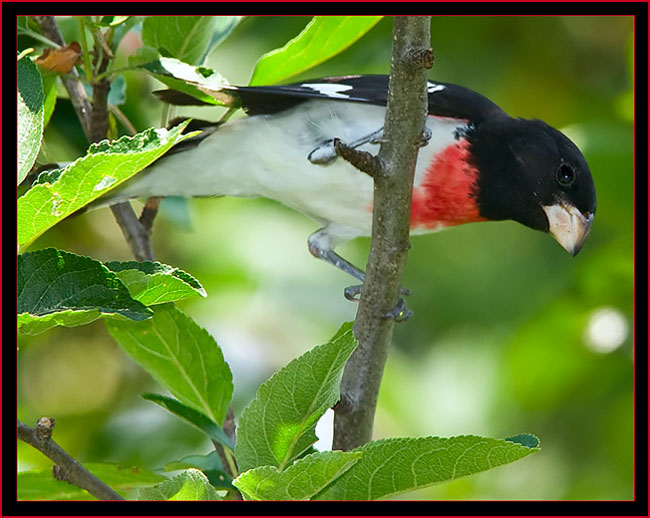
149, 212
404, 124
226, 455
137, 237
119, 114
362, 160
65, 467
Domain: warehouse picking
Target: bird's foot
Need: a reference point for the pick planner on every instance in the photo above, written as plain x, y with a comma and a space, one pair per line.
353, 293
425, 137
399, 313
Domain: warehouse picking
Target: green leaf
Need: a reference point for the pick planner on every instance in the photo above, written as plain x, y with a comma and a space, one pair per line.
278, 425
30, 115
39, 484
34, 325
61, 192
117, 93
202, 83
155, 283
142, 56
324, 37
185, 38
62, 288
181, 356
525, 439
112, 21
49, 88
209, 464
393, 466
224, 25
194, 417
189, 485
302, 480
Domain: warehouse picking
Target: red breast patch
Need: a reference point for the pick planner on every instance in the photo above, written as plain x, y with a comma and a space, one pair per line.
447, 194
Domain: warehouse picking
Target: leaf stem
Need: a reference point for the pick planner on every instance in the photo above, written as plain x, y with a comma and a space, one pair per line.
119, 114
84, 50
24, 53
35, 35
231, 461
111, 72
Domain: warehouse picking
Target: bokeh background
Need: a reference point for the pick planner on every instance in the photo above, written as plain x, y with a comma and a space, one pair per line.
510, 333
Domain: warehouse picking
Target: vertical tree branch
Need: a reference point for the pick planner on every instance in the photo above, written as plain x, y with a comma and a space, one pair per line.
393, 187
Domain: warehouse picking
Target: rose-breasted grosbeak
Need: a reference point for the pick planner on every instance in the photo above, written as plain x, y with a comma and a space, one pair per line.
478, 163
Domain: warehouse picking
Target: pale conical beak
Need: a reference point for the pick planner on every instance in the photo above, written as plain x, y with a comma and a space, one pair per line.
568, 226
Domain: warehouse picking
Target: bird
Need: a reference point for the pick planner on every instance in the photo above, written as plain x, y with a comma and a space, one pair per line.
476, 163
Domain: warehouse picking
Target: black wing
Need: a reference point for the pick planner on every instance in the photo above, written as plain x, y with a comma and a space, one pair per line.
445, 99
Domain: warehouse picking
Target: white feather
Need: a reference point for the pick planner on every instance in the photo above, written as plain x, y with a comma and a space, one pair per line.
267, 156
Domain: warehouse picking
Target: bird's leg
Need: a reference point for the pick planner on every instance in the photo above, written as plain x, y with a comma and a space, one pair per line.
320, 246
325, 154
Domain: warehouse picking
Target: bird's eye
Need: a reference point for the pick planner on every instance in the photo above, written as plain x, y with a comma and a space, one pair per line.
565, 174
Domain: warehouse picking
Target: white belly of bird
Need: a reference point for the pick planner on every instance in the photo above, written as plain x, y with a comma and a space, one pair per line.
267, 156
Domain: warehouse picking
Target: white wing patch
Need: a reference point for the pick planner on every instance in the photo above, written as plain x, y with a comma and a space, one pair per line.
329, 89
432, 87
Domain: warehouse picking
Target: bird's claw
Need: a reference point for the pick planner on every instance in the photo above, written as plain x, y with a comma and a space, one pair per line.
353, 293
425, 137
400, 313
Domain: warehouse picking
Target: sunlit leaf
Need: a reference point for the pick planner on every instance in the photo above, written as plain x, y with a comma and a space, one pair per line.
324, 37
181, 356
300, 481
30, 115
202, 83
155, 283
112, 21
278, 425
189, 485
392, 466
59, 193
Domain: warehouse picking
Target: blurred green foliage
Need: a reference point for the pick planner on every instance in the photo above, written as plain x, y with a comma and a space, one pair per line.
506, 336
